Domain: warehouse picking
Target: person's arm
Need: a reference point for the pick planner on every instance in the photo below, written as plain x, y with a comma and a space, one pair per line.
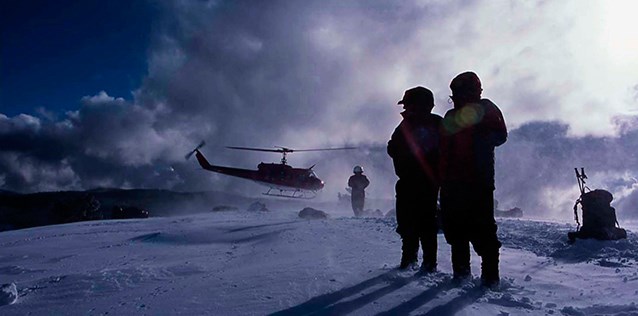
392, 144
494, 123
396, 145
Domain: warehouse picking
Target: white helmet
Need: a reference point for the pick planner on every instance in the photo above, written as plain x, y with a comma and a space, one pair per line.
357, 169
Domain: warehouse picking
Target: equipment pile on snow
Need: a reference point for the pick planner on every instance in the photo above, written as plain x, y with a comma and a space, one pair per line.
599, 218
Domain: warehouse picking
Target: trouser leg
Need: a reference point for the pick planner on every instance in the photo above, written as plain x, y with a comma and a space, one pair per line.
357, 206
488, 249
410, 249
485, 239
489, 268
416, 220
461, 259
429, 244
454, 209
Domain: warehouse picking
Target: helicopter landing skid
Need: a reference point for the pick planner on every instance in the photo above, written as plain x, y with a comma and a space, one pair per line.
293, 194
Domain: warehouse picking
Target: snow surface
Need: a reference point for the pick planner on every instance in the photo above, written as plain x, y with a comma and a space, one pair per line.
257, 263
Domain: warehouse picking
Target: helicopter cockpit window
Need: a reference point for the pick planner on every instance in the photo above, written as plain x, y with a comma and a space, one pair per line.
312, 174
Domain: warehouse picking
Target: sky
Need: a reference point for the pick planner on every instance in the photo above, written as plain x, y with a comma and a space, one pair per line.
92, 44
114, 94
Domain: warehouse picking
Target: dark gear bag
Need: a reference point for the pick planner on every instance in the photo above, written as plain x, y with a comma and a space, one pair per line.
599, 218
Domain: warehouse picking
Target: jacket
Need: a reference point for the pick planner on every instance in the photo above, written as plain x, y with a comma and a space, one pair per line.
469, 135
358, 183
414, 147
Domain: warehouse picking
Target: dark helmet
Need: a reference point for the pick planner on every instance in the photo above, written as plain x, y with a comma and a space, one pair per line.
466, 85
418, 96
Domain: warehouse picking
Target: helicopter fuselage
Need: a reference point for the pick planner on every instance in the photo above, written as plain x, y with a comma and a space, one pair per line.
274, 175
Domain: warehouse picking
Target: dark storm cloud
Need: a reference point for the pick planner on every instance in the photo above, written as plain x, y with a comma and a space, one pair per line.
30, 136
33, 151
536, 168
252, 73
108, 142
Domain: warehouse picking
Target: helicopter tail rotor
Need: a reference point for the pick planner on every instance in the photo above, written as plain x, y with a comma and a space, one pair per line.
195, 150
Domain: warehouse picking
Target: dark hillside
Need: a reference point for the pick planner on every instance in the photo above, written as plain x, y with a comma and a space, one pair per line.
46, 208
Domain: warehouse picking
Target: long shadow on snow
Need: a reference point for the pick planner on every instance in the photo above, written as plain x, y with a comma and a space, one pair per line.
419, 300
458, 303
322, 305
238, 229
204, 237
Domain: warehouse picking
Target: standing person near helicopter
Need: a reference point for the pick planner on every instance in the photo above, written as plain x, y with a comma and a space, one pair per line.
358, 182
470, 132
414, 148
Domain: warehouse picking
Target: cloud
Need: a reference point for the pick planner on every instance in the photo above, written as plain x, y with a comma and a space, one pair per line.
106, 142
535, 168
306, 74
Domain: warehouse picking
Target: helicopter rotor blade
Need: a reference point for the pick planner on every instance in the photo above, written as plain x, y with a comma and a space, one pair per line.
285, 149
282, 149
325, 149
257, 149
201, 144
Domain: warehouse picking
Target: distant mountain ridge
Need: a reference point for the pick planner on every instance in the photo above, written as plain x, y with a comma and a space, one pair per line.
19, 211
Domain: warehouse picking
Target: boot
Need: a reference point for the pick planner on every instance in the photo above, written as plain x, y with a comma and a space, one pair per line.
427, 268
429, 247
461, 261
406, 262
410, 249
489, 271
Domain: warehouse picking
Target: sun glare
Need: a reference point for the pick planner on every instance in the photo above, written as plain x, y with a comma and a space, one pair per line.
620, 30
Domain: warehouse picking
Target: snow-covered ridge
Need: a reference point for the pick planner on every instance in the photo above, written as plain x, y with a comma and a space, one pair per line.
258, 263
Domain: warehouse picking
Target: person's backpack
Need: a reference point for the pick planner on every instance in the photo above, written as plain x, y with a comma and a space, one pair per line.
597, 210
599, 217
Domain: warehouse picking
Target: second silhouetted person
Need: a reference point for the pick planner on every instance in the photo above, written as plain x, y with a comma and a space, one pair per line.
470, 132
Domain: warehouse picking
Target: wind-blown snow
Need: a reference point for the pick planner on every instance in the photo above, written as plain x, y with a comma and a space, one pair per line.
256, 263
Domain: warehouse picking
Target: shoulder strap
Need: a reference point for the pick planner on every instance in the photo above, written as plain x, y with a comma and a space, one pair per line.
613, 212
576, 213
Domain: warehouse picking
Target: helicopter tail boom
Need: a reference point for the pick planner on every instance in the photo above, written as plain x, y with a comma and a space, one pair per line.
235, 172
202, 160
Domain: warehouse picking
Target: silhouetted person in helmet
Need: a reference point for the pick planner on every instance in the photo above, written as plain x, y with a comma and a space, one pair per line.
358, 183
470, 132
414, 148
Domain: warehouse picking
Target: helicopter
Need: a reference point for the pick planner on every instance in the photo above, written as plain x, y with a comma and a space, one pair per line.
281, 179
